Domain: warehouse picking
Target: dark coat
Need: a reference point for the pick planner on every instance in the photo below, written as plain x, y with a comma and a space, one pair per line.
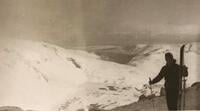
171, 74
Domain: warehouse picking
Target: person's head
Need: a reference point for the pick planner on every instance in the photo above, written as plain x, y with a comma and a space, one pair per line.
169, 58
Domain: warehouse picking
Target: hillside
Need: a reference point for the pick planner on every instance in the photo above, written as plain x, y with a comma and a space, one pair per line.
159, 103
45, 77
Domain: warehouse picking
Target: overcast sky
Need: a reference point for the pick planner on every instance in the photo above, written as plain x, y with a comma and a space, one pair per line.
85, 21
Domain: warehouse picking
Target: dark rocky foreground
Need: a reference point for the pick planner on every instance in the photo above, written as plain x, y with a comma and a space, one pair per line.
10, 108
148, 104
159, 103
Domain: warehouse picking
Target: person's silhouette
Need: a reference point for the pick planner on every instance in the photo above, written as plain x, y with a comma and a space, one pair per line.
170, 72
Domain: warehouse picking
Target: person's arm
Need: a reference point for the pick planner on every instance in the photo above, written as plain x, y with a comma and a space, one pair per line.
159, 76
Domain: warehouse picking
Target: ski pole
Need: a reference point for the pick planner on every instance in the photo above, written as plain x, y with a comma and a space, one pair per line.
152, 94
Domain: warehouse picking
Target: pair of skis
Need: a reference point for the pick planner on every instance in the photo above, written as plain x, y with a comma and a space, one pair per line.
182, 81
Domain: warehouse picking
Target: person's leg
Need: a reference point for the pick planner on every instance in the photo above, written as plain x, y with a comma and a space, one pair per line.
168, 99
175, 100
171, 98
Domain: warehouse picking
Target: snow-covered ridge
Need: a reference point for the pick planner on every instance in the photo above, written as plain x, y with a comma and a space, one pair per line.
38, 75
45, 77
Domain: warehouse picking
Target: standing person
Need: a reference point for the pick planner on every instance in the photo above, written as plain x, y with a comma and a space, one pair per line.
170, 72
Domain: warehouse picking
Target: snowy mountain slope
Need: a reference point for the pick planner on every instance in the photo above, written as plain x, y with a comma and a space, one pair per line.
114, 84
45, 77
110, 84
34, 75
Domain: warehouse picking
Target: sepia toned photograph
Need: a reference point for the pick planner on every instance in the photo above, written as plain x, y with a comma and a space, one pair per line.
99, 55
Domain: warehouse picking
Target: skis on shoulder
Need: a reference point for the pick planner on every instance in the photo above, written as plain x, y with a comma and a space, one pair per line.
182, 81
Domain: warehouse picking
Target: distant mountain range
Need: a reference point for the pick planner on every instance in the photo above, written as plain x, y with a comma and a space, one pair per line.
45, 77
